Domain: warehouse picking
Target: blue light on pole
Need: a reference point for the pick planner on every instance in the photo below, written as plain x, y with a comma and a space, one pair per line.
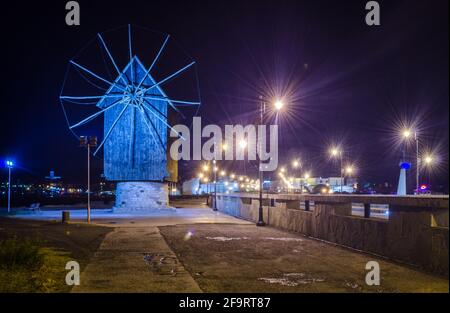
9, 164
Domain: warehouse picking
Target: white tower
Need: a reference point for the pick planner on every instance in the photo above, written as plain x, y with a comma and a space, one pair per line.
401, 189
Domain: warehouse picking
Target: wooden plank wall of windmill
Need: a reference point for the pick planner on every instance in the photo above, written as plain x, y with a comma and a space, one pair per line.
142, 161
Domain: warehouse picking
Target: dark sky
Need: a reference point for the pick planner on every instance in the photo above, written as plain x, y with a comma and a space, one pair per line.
347, 82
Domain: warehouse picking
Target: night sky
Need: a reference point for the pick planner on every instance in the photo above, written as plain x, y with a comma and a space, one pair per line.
347, 82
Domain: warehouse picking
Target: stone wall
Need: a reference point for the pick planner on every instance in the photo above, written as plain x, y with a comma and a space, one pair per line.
141, 197
416, 231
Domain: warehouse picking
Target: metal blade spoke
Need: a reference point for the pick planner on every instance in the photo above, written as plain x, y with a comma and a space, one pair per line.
112, 59
162, 120
96, 76
154, 61
90, 97
171, 100
131, 54
170, 76
89, 118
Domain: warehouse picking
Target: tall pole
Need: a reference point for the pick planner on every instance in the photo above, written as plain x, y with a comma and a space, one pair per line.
9, 189
260, 211
215, 185
89, 183
301, 183
340, 157
417, 162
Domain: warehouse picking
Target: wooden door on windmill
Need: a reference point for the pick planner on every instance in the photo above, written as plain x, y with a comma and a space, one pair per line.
135, 127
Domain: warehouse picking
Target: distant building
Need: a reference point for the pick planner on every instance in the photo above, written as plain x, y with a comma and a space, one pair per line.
195, 187
315, 184
191, 187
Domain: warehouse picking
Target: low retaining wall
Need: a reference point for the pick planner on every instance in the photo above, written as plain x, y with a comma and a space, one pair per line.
415, 232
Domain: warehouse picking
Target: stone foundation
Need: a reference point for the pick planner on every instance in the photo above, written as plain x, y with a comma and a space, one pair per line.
141, 197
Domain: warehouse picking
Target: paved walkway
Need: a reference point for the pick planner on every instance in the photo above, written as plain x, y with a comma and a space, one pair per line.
136, 258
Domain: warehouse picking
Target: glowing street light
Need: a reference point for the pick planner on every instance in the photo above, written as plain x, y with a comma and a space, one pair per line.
278, 104
205, 167
224, 146
428, 160
406, 133
349, 170
223, 173
296, 164
242, 143
336, 152
9, 165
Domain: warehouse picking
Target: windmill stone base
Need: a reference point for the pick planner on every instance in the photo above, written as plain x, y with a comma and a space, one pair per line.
141, 197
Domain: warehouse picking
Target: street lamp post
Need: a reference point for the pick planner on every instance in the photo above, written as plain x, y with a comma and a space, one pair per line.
407, 134
215, 169
9, 165
261, 184
88, 142
335, 152
428, 161
418, 165
278, 106
296, 164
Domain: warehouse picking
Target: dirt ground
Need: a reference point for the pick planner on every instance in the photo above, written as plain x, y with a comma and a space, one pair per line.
246, 258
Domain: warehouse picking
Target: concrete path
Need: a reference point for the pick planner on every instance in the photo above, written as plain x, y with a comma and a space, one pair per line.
136, 258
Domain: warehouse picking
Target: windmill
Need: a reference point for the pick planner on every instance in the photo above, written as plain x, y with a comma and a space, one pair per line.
135, 108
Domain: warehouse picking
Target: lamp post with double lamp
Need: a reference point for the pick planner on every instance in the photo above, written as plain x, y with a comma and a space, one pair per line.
278, 105
88, 142
337, 153
9, 165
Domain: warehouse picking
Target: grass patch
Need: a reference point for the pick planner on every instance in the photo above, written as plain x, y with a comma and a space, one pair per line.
26, 266
20, 253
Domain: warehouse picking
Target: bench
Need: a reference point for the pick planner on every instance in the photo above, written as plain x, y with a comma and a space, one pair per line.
35, 207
